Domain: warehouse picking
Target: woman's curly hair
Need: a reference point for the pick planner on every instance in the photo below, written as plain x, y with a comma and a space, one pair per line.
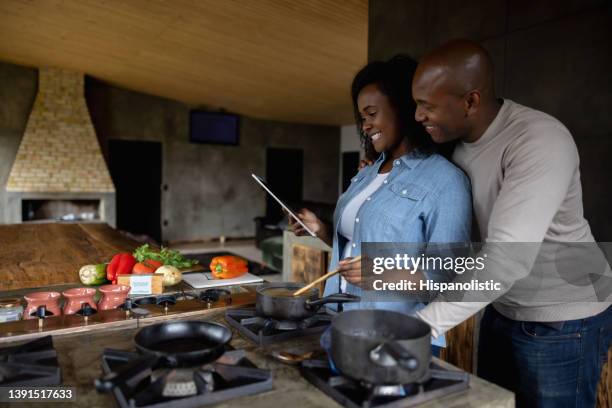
394, 78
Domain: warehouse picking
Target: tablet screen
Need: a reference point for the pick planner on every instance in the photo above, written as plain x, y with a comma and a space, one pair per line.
292, 213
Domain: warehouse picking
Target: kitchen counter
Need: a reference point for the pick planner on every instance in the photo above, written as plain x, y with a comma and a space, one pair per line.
80, 359
37, 255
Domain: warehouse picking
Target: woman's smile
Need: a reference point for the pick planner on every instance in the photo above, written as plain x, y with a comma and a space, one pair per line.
376, 136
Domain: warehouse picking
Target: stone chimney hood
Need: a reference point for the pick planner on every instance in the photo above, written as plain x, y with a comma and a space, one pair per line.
59, 157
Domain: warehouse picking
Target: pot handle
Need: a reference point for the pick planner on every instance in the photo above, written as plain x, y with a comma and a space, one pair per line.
335, 298
393, 353
125, 374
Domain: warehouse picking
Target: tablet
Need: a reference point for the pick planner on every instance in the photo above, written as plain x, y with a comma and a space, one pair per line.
283, 205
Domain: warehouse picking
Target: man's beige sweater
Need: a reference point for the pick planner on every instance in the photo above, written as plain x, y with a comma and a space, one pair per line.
525, 178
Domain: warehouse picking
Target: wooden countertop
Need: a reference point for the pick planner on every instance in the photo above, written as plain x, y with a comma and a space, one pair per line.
35, 255
41, 255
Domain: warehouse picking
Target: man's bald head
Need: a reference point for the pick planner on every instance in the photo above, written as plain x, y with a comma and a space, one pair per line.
454, 90
461, 65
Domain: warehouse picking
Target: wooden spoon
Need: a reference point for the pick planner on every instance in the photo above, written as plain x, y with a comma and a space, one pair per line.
322, 278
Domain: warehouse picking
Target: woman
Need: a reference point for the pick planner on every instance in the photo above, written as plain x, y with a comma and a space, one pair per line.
409, 194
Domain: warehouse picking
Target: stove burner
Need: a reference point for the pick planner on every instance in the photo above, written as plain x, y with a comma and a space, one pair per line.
186, 295
165, 300
30, 364
230, 376
388, 391
270, 325
149, 300
356, 394
213, 295
264, 330
180, 382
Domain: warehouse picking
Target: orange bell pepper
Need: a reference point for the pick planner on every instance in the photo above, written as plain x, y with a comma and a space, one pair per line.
228, 266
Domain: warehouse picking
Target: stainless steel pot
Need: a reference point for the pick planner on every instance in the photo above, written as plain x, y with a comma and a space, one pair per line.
275, 300
381, 347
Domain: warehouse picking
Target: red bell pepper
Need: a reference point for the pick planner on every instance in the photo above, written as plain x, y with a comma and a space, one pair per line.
121, 264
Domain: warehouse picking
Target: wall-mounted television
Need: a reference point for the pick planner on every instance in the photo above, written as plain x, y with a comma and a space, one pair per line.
213, 127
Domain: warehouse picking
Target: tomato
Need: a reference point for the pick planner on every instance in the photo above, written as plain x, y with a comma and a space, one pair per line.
153, 263
142, 268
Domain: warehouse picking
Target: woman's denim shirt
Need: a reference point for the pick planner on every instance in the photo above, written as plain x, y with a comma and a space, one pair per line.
425, 199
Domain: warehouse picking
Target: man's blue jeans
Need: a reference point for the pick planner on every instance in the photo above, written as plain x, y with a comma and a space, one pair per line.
545, 366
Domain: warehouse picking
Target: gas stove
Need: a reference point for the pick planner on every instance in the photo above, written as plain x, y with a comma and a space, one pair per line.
30, 364
264, 330
207, 297
357, 394
230, 376
182, 304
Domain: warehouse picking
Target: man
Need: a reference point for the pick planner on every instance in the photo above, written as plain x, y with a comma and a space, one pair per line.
524, 169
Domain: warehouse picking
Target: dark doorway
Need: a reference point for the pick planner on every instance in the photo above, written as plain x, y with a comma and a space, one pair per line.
136, 169
350, 163
284, 175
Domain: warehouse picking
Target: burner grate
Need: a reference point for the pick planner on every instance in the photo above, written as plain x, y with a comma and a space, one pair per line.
230, 376
30, 364
355, 394
265, 331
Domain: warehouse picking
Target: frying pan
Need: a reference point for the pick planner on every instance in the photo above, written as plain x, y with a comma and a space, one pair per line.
173, 344
269, 303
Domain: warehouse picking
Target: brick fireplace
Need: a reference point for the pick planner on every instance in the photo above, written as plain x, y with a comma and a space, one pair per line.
59, 171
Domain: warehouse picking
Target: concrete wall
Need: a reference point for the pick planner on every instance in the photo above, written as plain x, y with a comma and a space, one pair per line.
349, 142
555, 56
349, 139
210, 191
18, 86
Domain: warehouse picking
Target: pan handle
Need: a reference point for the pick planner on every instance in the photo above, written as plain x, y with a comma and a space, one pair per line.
138, 368
393, 353
335, 298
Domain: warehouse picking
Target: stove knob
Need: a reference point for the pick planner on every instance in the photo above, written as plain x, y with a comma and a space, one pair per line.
41, 312
86, 310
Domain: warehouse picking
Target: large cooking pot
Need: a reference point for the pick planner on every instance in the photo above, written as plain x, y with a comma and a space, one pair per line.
381, 347
276, 300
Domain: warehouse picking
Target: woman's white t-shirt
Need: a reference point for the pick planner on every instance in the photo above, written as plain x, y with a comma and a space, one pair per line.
348, 217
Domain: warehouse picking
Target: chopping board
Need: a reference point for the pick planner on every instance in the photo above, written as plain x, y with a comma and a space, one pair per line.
199, 280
